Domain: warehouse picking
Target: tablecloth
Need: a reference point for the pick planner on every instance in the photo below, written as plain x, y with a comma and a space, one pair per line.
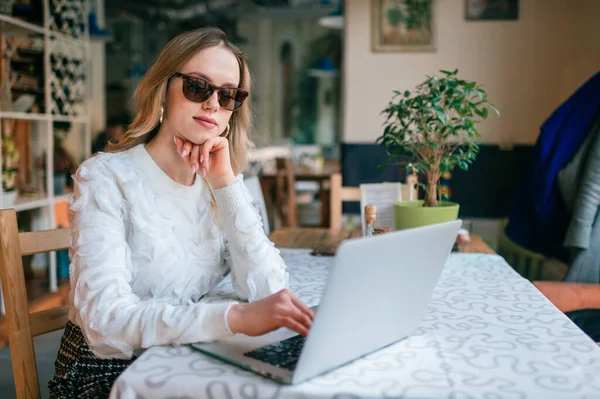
488, 333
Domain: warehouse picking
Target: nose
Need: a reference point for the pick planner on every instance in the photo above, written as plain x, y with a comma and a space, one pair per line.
212, 102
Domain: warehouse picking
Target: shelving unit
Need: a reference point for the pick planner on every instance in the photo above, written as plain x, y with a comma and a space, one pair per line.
62, 94
16, 26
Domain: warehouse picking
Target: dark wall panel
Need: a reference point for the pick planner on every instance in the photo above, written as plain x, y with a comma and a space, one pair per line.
484, 191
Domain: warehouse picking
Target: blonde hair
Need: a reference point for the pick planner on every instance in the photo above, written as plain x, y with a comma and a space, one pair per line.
150, 94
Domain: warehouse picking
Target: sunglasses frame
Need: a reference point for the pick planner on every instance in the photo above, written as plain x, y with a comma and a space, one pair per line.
211, 89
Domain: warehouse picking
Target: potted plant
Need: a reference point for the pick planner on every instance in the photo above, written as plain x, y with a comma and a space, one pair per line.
430, 131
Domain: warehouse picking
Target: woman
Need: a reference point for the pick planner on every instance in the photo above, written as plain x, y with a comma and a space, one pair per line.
160, 218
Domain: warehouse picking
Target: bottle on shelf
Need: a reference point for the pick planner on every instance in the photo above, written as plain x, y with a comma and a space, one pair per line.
370, 218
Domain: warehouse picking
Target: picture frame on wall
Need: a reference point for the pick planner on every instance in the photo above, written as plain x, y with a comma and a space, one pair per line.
491, 10
402, 26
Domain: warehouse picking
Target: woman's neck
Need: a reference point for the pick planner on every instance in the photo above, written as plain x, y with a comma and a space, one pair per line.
163, 151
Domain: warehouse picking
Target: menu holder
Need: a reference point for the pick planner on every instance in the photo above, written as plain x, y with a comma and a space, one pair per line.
383, 196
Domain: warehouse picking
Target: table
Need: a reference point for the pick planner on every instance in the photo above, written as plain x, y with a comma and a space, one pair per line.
300, 237
488, 333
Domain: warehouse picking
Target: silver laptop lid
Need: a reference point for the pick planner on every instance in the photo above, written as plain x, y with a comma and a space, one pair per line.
377, 294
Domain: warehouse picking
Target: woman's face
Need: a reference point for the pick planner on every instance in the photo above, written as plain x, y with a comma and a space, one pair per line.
196, 121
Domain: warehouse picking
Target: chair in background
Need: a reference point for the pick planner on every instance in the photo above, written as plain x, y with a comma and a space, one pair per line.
527, 263
21, 325
309, 207
285, 193
339, 195
258, 200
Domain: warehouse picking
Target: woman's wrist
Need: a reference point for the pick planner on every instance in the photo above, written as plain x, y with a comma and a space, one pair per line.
234, 317
222, 181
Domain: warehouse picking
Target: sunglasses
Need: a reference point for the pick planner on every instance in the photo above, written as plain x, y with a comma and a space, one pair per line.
198, 90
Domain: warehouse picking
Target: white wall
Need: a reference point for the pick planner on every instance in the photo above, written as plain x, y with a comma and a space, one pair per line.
528, 66
586, 40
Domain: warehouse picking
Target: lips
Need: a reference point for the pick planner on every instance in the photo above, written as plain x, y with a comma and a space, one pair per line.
206, 121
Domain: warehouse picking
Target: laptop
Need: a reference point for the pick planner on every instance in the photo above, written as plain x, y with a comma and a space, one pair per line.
377, 293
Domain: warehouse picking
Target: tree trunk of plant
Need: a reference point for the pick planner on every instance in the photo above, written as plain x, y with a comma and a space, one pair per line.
433, 177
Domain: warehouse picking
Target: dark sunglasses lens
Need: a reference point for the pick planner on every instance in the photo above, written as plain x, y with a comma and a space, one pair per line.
231, 99
196, 90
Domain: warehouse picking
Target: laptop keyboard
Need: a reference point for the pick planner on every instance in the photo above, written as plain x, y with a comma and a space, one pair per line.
283, 354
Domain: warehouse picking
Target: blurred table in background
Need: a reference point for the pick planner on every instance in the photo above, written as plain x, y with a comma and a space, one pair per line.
320, 238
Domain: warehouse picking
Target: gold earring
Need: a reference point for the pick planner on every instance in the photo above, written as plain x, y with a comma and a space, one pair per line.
162, 112
226, 131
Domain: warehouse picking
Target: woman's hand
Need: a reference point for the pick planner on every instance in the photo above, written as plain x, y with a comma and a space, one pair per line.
210, 159
282, 309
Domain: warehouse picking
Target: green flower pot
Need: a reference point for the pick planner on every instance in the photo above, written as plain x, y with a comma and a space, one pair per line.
410, 214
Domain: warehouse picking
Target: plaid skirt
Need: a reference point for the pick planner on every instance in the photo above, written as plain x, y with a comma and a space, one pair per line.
78, 373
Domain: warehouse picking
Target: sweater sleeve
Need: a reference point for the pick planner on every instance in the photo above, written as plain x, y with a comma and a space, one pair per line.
114, 320
257, 268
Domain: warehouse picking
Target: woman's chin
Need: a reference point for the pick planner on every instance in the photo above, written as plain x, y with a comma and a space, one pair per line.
198, 137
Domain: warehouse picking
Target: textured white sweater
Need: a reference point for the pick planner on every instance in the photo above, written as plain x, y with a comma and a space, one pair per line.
145, 249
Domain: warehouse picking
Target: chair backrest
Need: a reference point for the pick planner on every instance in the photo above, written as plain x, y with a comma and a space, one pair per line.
339, 195
285, 193
22, 326
258, 200
527, 263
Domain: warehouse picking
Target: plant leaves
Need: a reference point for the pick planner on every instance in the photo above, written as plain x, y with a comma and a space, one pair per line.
493, 107
423, 126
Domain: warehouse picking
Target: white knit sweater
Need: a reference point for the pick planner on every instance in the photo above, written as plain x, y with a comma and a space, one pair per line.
145, 249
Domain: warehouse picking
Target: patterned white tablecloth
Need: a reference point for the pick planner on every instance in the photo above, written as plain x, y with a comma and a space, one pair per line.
488, 333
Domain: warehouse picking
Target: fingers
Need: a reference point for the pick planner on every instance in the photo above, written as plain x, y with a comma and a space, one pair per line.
199, 157
178, 143
186, 150
293, 325
302, 318
195, 158
189, 151
302, 307
296, 311
205, 156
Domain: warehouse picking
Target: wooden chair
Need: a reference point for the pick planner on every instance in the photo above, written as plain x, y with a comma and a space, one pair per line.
285, 193
21, 325
338, 195
527, 263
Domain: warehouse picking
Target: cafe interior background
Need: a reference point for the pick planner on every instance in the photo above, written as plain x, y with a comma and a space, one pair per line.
321, 78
